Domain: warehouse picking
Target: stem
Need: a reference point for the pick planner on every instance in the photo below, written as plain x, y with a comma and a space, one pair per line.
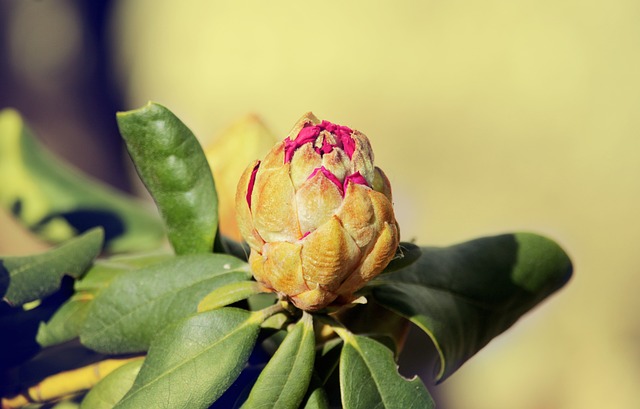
261, 315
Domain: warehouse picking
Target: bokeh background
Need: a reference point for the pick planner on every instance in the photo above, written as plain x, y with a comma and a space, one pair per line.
487, 117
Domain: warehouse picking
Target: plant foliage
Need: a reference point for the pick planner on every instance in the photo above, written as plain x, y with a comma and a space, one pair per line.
208, 336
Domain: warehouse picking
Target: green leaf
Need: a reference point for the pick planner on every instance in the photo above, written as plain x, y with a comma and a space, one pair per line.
34, 277
173, 167
407, 254
369, 378
327, 359
57, 202
138, 304
228, 294
284, 381
106, 393
464, 295
317, 399
65, 324
68, 320
105, 270
195, 360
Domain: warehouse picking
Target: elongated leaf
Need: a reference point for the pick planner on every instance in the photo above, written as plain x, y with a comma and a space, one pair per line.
126, 316
65, 324
57, 202
228, 294
112, 388
369, 379
464, 295
284, 381
317, 399
194, 361
173, 167
34, 277
68, 320
104, 271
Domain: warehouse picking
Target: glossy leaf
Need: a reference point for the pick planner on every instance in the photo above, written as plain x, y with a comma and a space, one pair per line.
58, 202
194, 360
67, 321
284, 381
228, 294
34, 277
173, 167
369, 378
138, 304
464, 295
106, 393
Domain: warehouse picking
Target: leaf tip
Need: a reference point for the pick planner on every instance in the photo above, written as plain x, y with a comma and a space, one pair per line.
149, 106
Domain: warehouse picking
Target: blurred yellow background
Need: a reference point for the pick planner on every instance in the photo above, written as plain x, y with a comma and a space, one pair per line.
487, 117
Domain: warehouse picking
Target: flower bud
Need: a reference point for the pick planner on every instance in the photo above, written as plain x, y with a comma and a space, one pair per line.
317, 215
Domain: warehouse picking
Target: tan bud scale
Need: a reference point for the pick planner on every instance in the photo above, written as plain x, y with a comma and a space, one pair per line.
317, 215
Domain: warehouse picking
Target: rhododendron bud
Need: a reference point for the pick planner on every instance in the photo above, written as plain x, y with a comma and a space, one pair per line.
317, 215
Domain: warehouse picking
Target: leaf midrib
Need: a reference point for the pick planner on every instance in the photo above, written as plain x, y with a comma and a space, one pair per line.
356, 346
297, 358
174, 368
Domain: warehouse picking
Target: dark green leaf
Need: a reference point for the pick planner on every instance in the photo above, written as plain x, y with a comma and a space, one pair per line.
285, 379
106, 393
238, 249
195, 360
327, 359
67, 321
407, 254
464, 295
34, 277
57, 202
126, 316
369, 378
372, 318
173, 167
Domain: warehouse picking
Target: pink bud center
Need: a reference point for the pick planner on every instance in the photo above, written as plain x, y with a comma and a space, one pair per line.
310, 133
356, 178
327, 173
252, 181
